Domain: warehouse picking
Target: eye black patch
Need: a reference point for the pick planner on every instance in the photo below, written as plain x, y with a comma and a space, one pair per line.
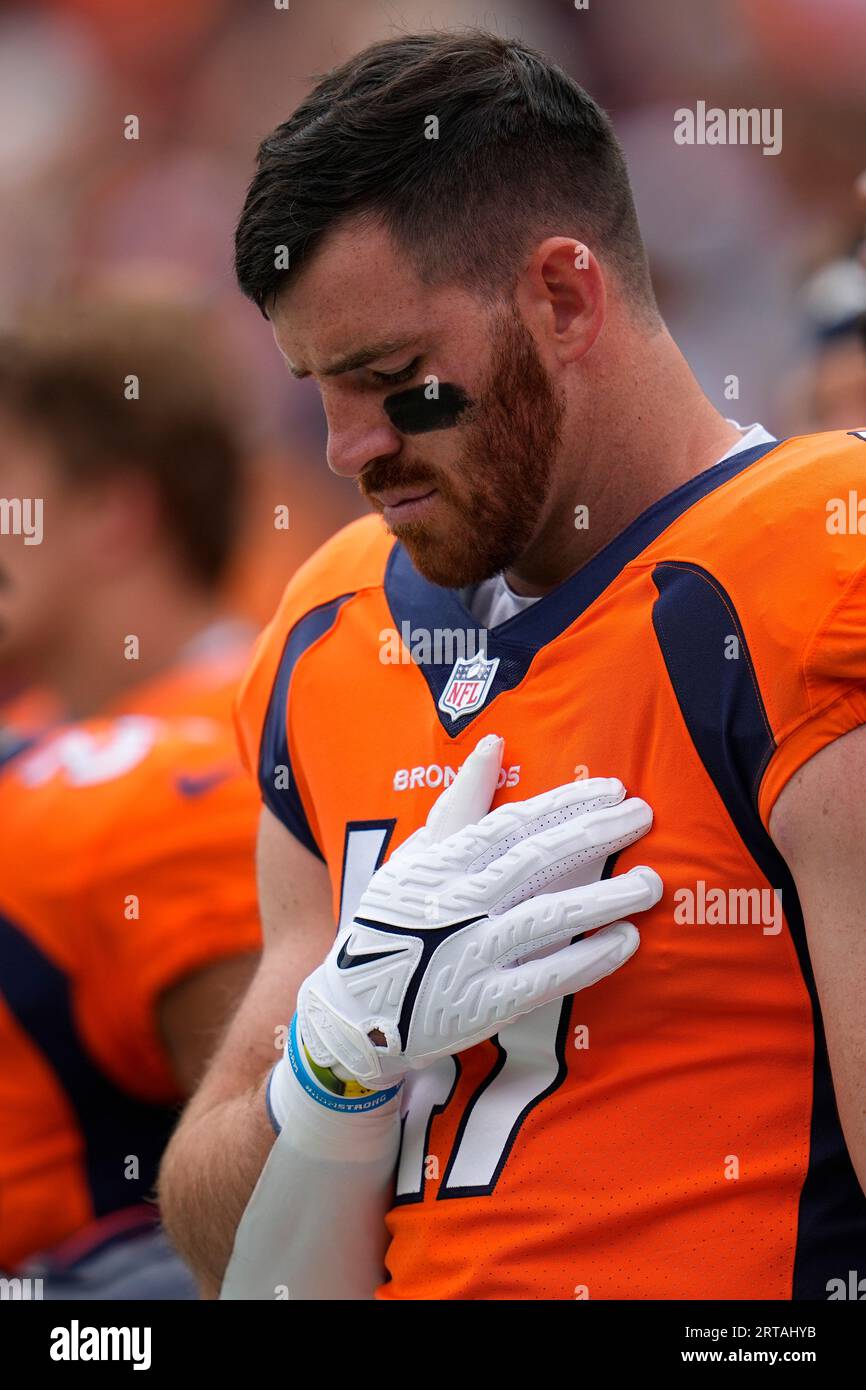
411, 412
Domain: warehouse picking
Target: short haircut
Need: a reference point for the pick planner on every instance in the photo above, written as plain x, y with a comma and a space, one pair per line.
63, 373
522, 152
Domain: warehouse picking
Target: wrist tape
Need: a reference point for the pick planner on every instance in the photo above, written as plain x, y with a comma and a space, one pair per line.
296, 1068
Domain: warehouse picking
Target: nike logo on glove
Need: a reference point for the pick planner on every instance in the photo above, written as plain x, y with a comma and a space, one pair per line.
345, 960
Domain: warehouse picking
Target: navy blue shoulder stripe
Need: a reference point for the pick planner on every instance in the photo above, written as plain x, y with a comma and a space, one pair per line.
420, 605
716, 688
113, 1124
276, 779
13, 746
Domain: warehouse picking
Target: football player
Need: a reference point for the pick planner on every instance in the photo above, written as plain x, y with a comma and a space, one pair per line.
128, 922
486, 1091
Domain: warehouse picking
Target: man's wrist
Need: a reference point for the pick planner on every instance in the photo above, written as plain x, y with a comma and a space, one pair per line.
329, 1079
296, 1069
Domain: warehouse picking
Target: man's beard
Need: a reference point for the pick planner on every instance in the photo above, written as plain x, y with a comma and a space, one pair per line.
493, 496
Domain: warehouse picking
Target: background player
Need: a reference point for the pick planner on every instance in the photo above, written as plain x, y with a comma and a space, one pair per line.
128, 923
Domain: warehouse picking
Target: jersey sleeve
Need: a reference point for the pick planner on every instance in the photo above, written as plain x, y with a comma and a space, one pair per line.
820, 616
270, 739
173, 894
263, 719
831, 674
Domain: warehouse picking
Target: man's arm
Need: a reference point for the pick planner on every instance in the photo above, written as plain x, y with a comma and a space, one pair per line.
194, 1013
819, 826
217, 1152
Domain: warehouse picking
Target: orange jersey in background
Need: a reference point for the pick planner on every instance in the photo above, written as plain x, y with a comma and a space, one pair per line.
126, 864
672, 1132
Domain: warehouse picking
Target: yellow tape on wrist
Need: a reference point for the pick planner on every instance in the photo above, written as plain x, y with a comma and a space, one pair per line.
353, 1090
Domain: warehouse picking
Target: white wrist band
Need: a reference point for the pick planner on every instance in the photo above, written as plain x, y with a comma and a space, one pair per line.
291, 1081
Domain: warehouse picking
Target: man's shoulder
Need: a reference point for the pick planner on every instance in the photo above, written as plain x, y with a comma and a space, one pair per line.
773, 556
353, 562
355, 558
800, 481
797, 511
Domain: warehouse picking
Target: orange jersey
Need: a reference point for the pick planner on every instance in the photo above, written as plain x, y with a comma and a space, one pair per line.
672, 1132
126, 865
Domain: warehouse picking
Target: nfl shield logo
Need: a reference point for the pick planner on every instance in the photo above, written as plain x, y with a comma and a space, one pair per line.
468, 685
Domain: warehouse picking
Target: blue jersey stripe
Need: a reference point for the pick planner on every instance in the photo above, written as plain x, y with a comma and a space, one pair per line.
114, 1125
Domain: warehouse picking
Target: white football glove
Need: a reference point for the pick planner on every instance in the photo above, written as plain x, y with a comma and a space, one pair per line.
465, 929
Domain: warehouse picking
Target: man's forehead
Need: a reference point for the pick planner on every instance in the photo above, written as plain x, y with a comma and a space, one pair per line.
356, 293
351, 269
359, 299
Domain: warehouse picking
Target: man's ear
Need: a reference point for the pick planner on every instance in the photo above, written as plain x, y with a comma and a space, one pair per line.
562, 297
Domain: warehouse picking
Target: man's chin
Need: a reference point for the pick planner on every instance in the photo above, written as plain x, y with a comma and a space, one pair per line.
444, 561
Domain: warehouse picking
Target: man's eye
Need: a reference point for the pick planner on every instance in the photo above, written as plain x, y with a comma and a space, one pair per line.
394, 378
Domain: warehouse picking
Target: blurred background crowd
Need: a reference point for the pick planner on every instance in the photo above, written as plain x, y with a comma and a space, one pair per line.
124, 634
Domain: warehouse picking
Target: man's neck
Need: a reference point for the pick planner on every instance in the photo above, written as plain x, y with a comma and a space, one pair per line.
638, 445
126, 640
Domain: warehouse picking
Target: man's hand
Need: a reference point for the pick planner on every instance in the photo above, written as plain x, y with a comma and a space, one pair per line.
461, 932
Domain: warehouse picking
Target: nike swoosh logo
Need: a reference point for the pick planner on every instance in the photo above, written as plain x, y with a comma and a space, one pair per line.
345, 960
196, 784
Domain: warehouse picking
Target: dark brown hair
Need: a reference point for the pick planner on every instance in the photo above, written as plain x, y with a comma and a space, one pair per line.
522, 152
63, 374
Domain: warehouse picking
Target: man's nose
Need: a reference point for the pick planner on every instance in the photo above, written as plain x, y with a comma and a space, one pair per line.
354, 443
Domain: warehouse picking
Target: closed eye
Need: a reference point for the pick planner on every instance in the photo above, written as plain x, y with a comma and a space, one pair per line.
395, 378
